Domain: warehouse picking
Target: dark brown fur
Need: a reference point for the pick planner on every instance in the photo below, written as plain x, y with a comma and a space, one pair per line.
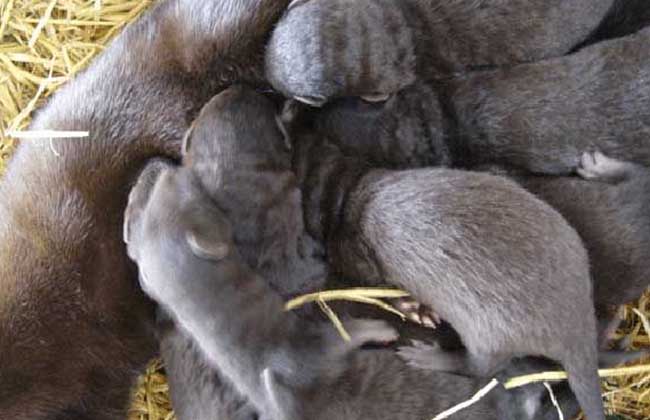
73, 323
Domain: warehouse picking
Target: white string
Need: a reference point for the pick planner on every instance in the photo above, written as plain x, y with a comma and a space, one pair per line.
554, 400
476, 398
47, 134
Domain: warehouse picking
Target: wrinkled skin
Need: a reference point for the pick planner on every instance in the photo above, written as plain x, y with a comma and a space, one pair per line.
538, 117
239, 154
287, 367
241, 124
324, 49
448, 237
533, 118
189, 264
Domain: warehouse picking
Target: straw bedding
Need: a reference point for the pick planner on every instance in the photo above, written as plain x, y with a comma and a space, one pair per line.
44, 43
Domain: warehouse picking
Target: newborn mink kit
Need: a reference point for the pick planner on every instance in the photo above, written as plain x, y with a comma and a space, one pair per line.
165, 193
286, 366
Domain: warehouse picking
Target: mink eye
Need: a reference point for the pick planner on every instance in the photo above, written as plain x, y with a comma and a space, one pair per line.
376, 97
207, 248
315, 101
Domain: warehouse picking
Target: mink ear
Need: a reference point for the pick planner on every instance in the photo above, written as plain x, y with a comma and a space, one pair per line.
207, 246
